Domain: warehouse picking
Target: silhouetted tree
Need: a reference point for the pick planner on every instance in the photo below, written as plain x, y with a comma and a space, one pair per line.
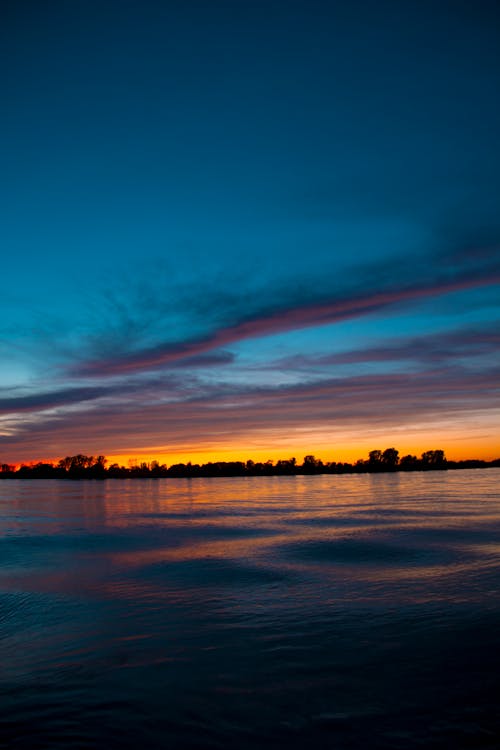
117, 472
375, 461
312, 465
94, 467
97, 469
286, 466
433, 459
409, 463
390, 458
158, 470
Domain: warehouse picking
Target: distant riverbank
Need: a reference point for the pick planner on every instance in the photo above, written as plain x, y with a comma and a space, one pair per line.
97, 467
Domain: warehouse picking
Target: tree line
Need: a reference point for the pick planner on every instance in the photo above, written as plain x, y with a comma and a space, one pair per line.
97, 467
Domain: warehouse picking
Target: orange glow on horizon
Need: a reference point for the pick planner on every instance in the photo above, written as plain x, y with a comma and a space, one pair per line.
349, 454
456, 447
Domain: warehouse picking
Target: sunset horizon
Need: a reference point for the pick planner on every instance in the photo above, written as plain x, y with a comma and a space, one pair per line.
254, 244
326, 454
216, 251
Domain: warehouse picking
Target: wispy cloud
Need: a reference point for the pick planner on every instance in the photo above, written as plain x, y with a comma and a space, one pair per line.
188, 388
283, 318
228, 413
427, 350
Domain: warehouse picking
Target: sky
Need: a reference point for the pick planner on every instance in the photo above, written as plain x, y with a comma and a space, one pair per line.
240, 229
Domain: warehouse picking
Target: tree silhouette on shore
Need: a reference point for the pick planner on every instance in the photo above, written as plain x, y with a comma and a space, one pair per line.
81, 466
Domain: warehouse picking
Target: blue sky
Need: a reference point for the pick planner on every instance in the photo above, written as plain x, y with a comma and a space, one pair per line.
211, 210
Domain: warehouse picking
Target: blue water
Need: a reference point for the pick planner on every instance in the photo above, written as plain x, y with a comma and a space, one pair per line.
275, 612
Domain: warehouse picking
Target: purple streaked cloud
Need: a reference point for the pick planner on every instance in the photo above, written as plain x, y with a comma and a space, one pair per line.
277, 321
221, 414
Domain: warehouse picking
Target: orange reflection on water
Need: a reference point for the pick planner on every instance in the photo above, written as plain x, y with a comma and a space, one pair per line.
356, 536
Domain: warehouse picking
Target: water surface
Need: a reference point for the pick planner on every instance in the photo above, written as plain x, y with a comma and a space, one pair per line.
334, 611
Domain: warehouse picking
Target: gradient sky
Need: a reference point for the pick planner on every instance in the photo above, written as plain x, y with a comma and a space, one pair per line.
249, 229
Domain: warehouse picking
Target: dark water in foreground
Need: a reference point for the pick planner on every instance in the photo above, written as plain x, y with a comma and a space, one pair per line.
320, 612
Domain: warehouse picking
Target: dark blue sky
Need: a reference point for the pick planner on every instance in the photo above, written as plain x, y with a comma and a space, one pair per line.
232, 208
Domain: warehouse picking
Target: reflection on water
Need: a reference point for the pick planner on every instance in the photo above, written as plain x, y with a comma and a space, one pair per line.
341, 611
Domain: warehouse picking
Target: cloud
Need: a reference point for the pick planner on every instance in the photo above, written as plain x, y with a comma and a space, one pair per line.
213, 359
282, 318
426, 350
40, 401
142, 389
190, 390
231, 415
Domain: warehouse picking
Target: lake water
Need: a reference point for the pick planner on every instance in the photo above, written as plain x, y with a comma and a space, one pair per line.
321, 612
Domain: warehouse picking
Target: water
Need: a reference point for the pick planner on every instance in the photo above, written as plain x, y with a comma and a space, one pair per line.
329, 611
